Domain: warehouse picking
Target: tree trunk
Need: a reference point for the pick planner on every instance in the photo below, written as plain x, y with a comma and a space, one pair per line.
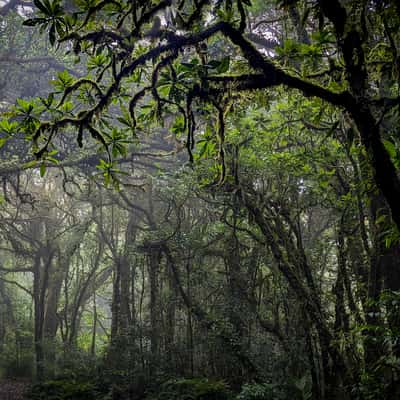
38, 320
154, 259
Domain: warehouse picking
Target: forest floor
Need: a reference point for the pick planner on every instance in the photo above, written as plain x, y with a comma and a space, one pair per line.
13, 389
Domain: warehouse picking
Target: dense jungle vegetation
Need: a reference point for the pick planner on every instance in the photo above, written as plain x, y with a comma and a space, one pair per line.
200, 199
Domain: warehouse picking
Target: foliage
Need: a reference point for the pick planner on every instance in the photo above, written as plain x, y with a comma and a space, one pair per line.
270, 391
259, 391
12, 367
63, 390
267, 262
192, 389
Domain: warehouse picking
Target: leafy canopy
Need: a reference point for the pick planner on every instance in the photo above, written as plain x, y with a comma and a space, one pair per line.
186, 64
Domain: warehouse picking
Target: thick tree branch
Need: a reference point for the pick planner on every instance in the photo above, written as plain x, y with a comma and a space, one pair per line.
267, 44
273, 76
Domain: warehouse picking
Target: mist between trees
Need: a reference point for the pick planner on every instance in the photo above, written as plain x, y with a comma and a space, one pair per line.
199, 200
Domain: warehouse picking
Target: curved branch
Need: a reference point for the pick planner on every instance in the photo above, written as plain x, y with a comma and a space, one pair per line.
272, 75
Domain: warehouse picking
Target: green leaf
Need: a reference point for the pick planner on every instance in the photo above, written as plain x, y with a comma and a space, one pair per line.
390, 148
42, 169
47, 102
25, 106
225, 15
8, 127
125, 121
97, 61
42, 7
53, 152
59, 28
2, 142
203, 150
52, 34
34, 21
224, 65
49, 6
188, 66
52, 160
64, 80
30, 164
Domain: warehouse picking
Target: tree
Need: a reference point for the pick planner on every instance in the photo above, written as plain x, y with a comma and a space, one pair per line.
283, 234
351, 46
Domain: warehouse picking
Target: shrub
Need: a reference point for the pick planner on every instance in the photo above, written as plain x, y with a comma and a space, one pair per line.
270, 391
62, 390
258, 391
22, 368
192, 389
